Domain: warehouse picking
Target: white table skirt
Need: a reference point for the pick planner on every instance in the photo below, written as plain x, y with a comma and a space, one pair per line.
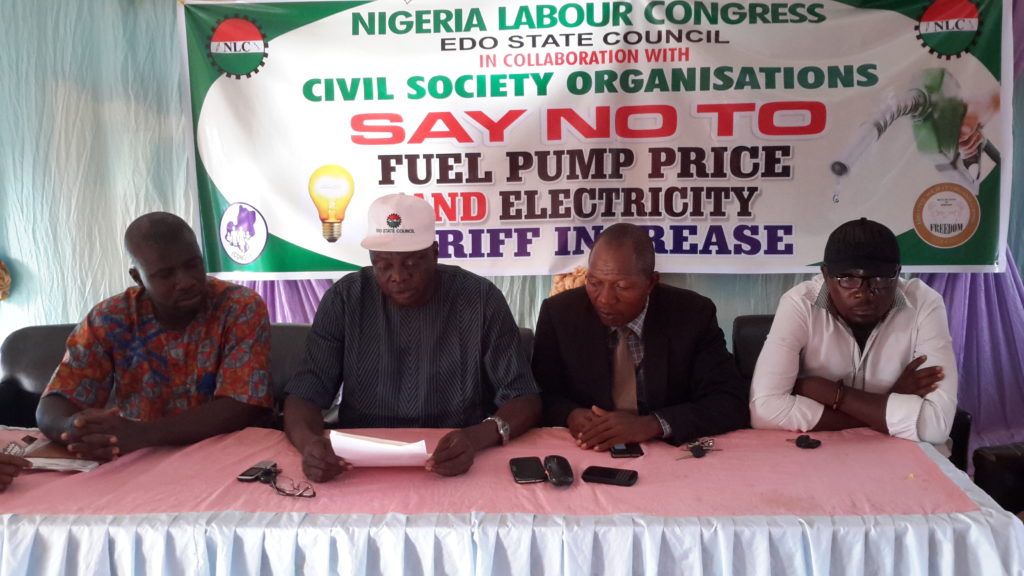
986, 542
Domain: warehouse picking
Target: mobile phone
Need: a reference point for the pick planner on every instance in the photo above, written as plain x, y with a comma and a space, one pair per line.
527, 470
615, 476
631, 450
253, 473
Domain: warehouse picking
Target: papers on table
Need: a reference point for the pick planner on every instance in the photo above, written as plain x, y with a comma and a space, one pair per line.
62, 464
45, 455
367, 451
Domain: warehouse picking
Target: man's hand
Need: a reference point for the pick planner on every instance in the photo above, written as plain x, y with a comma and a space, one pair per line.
453, 454
97, 434
320, 463
11, 467
579, 420
609, 428
917, 380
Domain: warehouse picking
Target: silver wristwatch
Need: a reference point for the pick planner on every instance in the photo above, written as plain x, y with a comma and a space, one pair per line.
503, 428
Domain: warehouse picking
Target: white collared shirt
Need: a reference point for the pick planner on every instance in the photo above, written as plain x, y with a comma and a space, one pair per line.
808, 338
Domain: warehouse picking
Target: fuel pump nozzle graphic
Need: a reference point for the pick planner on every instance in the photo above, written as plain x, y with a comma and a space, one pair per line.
936, 112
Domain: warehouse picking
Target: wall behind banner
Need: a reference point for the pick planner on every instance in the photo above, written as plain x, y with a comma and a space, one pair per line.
95, 133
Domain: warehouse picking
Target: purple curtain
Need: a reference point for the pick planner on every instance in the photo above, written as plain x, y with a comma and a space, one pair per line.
986, 320
290, 301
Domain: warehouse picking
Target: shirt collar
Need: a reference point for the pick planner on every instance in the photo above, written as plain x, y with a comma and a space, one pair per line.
637, 324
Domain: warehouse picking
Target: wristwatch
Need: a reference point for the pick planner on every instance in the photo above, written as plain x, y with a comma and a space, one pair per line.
503, 428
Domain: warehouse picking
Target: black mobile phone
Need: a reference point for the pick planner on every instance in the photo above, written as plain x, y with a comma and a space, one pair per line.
527, 470
253, 473
615, 476
631, 450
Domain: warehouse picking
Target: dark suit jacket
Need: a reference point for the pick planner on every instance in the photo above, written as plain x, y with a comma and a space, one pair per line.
690, 378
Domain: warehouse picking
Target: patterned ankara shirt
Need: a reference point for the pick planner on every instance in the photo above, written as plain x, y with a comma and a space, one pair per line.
152, 372
447, 364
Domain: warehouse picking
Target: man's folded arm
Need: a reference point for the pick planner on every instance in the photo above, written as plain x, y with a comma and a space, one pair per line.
928, 418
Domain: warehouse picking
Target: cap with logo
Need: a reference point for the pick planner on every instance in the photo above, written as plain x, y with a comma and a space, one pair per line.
862, 244
399, 223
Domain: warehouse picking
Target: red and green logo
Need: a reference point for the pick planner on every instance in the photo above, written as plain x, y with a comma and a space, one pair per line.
948, 28
238, 47
394, 220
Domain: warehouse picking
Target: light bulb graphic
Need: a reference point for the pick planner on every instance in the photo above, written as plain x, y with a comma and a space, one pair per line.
331, 188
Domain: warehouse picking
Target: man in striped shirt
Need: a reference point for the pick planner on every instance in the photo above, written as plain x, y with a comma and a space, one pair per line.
411, 343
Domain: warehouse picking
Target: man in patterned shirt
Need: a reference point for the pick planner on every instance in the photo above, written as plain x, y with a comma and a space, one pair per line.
178, 358
411, 344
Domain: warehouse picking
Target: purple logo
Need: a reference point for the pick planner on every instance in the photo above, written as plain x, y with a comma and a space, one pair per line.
243, 233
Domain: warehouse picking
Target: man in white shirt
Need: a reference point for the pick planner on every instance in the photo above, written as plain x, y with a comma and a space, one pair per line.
858, 346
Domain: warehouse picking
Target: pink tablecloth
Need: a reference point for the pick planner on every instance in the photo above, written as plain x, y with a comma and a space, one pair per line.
854, 472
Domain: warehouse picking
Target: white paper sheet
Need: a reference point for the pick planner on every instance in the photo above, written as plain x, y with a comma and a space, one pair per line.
45, 455
62, 464
366, 451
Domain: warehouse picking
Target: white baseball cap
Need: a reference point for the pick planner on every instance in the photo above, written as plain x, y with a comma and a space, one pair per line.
399, 223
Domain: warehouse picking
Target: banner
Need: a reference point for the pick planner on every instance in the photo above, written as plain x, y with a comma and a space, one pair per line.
739, 134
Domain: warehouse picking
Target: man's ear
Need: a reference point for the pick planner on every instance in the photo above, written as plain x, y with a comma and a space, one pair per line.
824, 271
655, 278
135, 276
434, 251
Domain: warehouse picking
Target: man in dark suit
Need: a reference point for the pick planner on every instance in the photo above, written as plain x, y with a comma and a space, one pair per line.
627, 359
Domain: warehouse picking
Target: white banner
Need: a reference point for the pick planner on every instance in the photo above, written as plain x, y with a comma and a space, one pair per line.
739, 134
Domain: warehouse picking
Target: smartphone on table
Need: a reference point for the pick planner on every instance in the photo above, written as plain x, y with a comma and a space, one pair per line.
253, 473
630, 450
527, 470
614, 476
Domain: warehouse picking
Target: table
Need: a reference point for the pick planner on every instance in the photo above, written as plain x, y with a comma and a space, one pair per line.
862, 503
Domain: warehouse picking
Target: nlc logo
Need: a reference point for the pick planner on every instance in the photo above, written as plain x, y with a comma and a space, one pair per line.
238, 47
949, 28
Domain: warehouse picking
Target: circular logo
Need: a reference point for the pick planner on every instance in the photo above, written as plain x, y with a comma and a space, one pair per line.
243, 232
946, 215
394, 220
948, 28
238, 47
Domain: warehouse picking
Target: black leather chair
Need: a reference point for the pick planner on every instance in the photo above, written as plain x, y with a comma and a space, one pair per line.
287, 345
28, 358
748, 336
526, 336
999, 471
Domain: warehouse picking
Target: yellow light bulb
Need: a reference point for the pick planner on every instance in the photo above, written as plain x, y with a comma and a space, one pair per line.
331, 188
